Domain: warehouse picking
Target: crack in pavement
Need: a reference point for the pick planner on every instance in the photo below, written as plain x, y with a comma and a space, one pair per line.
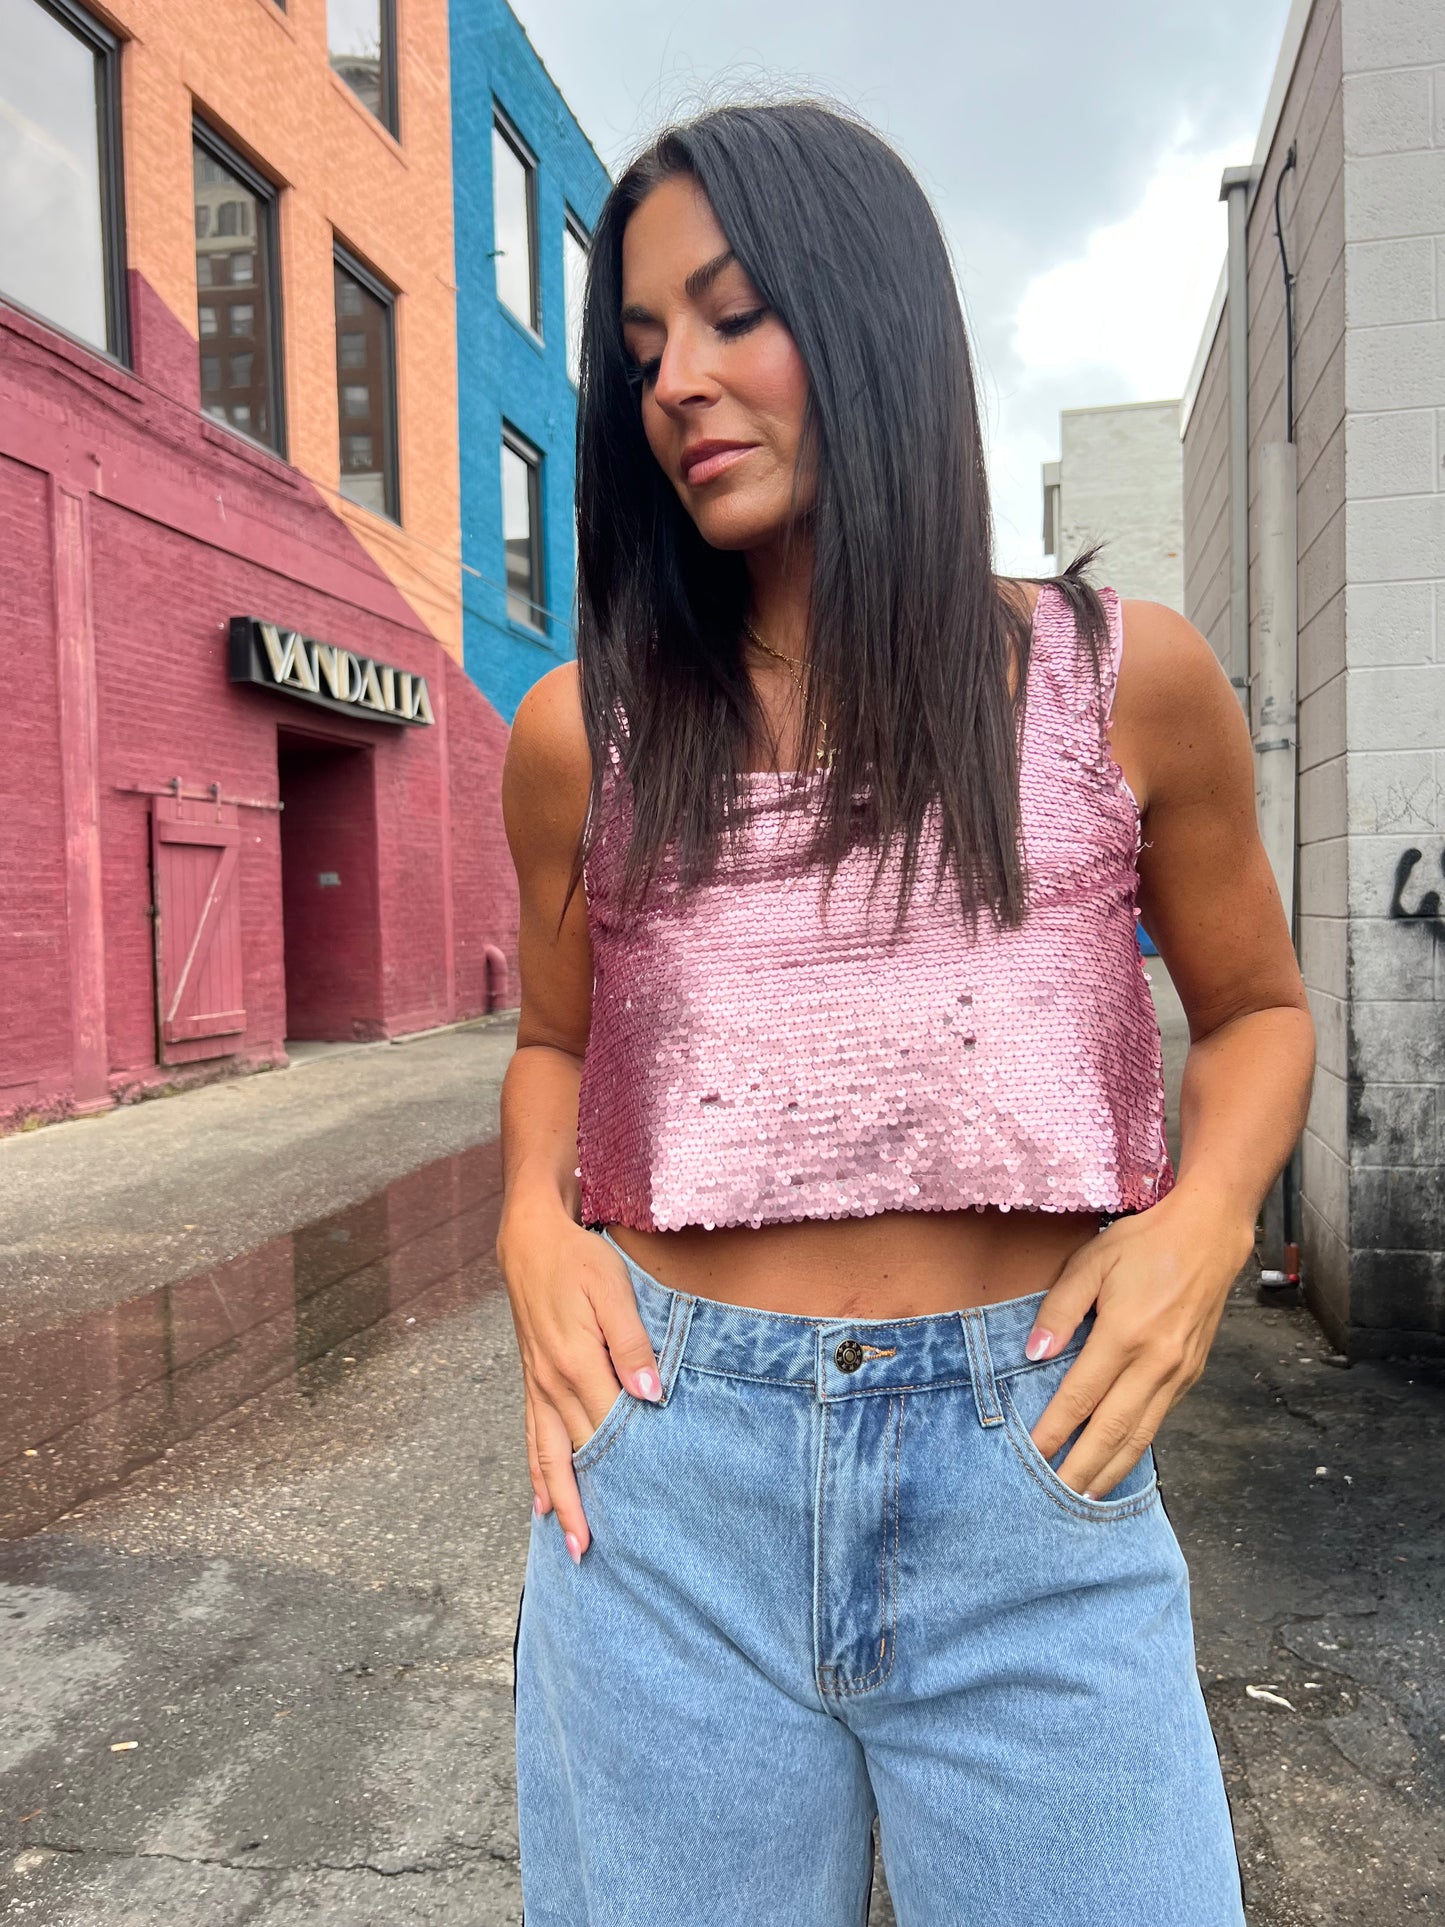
467, 1849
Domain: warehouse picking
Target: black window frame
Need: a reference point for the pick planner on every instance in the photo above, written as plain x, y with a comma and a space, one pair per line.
531, 455
266, 244
106, 46
503, 124
390, 115
573, 228
343, 257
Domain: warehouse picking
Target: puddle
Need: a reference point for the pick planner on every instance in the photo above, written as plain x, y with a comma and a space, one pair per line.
89, 1402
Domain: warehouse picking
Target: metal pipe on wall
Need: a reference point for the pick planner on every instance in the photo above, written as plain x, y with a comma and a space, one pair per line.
1276, 749
1234, 188
1275, 710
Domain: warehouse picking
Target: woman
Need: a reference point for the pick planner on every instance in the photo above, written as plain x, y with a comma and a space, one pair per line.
840, 1430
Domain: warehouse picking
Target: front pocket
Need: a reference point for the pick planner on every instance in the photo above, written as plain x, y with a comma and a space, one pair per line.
613, 1420
1024, 1395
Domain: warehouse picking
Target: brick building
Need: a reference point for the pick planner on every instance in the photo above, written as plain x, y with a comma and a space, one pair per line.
528, 190
230, 548
1314, 518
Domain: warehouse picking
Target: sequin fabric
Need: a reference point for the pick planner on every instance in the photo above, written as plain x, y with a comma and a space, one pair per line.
759, 1053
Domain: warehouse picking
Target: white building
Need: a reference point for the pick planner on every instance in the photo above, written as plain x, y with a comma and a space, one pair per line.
1314, 547
1119, 481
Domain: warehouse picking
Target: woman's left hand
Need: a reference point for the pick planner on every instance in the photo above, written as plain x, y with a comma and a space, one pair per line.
1158, 1282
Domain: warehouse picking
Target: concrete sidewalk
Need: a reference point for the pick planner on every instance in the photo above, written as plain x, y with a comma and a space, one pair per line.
98, 1210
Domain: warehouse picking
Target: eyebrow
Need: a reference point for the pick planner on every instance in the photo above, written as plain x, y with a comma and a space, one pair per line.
695, 286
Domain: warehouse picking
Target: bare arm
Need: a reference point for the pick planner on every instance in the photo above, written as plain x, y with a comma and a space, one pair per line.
1159, 1280
578, 1330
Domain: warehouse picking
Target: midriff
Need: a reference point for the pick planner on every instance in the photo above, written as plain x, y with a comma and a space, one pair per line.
894, 1264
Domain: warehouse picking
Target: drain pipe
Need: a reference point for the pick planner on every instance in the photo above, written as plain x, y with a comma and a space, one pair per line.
497, 975
1234, 189
1274, 717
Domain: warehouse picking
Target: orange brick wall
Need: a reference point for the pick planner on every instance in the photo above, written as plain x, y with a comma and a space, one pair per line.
261, 77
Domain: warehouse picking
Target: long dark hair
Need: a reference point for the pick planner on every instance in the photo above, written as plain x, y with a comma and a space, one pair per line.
910, 639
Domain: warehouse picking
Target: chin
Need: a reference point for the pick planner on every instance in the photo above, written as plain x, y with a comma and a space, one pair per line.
733, 525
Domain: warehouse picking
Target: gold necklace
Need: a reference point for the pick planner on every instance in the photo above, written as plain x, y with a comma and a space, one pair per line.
822, 755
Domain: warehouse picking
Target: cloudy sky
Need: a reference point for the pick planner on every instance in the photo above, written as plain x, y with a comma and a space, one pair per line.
1073, 150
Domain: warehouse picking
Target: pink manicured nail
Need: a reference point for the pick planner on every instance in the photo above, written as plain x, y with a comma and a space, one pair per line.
647, 1385
1040, 1344
574, 1546
536, 1505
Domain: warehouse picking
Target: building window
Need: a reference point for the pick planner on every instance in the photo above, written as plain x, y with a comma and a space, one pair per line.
522, 529
361, 40
366, 406
62, 249
514, 217
232, 200
574, 280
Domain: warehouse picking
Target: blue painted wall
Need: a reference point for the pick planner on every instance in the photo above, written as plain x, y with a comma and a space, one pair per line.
504, 372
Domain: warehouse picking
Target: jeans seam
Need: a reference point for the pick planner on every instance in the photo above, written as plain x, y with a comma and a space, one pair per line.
820, 1571
750, 1378
890, 1391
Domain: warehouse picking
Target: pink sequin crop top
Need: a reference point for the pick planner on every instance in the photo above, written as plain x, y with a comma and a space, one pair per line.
757, 1056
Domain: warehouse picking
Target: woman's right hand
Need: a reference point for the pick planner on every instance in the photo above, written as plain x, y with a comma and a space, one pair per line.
582, 1342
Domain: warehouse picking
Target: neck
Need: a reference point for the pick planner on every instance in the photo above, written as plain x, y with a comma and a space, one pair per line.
782, 583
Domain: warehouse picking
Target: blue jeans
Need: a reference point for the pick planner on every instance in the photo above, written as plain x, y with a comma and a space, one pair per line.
832, 1576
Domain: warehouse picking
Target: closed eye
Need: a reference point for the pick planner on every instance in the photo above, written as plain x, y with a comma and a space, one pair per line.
730, 327
733, 325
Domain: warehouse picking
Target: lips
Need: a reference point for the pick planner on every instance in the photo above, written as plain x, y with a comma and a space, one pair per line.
704, 460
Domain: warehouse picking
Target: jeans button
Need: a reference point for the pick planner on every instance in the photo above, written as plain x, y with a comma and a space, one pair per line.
849, 1355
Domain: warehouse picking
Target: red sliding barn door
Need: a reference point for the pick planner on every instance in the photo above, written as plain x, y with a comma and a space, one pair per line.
196, 851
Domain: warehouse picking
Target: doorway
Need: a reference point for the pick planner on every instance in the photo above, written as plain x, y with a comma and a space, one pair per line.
330, 902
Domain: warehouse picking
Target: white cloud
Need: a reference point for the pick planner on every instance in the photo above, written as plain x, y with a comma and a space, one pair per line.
1119, 321
1134, 301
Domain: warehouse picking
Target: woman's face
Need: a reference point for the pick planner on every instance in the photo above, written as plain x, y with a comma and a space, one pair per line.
722, 385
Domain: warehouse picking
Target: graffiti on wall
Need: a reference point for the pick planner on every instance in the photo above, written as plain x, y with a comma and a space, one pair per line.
1411, 901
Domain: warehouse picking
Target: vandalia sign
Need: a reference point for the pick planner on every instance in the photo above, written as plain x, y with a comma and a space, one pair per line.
321, 672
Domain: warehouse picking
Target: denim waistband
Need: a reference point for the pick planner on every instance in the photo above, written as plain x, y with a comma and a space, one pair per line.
841, 1358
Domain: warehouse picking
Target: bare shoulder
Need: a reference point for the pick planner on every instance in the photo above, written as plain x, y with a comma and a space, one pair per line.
547, 774
1166, 661
1177, 721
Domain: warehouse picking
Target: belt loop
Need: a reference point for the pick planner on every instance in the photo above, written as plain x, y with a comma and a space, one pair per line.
980, 1365
669, 1359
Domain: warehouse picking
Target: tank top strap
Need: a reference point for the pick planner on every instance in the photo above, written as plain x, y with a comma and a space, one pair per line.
1067, 696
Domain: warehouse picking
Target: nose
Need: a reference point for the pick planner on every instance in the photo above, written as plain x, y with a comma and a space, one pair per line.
683, 380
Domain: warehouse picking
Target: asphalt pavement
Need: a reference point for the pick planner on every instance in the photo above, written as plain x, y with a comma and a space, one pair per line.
264, 1676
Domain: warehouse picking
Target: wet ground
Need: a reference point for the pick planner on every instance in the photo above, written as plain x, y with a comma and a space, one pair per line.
264, 1528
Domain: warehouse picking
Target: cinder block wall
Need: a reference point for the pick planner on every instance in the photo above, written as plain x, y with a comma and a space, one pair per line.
1312, 206
1311, 119
1364, 221
1206, 500
1393, 219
